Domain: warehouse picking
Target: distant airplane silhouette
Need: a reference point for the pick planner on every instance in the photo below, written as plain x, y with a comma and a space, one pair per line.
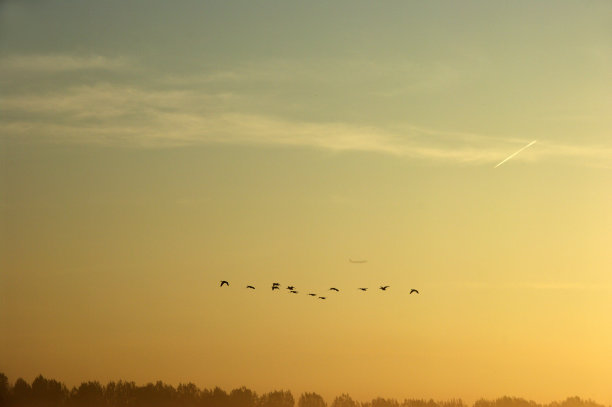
275, 287
414, 291
322, 298
384, 287
312, 294
334, 289
290, 287
293, 292
224, 282
251, 287
357, 261
363, 289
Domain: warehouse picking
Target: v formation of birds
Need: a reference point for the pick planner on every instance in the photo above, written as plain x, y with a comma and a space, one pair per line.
292, 290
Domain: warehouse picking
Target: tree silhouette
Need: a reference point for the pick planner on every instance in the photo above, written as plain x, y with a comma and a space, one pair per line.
450, 403
311, 400
48, 392
51, 393
242, 397
575, 402
22, 393
187, 395
505, 402
381, 402
121, 394
277, 399
156, 395
344, 400
4, 390
88, 394
214, 398
432, 403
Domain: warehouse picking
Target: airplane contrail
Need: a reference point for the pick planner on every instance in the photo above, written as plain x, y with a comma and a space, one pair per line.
512, 155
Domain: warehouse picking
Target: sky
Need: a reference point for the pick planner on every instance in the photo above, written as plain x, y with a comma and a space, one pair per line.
150, 149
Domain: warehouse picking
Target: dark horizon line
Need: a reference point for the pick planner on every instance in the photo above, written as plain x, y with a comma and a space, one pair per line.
51, 392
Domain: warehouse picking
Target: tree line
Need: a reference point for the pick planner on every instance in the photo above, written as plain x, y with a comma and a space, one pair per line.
44, 392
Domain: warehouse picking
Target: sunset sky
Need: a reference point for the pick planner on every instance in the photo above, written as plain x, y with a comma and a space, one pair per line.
150, 149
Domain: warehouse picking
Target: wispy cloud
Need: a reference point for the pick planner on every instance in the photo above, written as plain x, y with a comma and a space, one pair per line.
60, 63
159, 114
394, 78
114, 115
106, 114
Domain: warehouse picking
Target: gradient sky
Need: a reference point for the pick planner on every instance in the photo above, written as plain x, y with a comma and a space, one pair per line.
151, 148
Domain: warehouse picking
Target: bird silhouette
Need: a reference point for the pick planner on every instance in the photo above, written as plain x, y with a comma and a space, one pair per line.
363, 289
293, 292
251, 287
275, 287
414, 291
322, 298
275, 284
384, 287
312, 294
290, 287
224, 282
334, 289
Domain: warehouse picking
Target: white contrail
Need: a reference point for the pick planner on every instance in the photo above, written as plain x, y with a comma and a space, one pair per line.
512, 155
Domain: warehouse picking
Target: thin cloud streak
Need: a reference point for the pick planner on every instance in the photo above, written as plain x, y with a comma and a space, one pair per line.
60, 63
111, 115
146, 116
515, 153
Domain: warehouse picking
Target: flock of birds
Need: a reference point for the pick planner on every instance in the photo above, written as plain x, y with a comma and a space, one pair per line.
292, 290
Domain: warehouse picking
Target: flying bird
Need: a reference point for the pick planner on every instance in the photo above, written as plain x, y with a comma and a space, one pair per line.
275, 287
513, 154
414, 291
322, 298
251, 287
224, 282
293, 292
275, 284
363, 289
290, 287
312, 294
384, 287
357, 261
334, 289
